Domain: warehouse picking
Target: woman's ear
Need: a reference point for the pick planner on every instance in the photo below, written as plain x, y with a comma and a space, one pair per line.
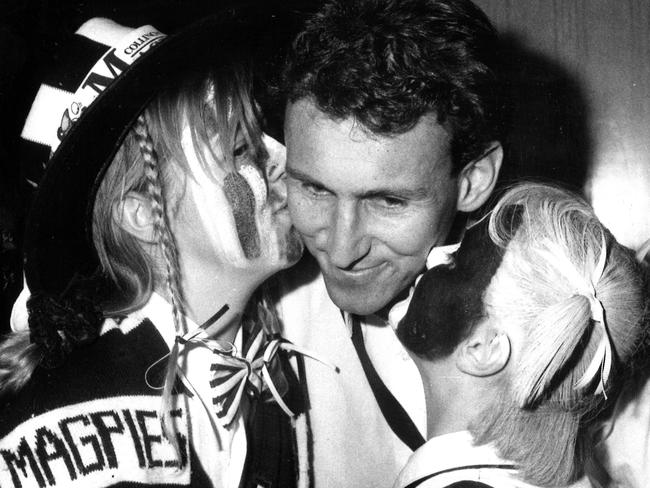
134, 215
477, 180
484, 353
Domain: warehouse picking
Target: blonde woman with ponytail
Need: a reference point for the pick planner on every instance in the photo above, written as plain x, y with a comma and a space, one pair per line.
522, 336
150, 359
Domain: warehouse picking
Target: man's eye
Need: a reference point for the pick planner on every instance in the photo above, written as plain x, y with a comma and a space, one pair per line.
315, 190
390, 202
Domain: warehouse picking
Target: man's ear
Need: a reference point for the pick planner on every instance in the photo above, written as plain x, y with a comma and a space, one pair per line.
484, 353
477, 180
134, 215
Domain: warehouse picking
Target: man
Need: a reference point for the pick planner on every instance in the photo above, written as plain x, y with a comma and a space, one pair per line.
392, 126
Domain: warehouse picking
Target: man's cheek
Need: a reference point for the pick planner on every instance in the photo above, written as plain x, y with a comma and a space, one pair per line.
411, 235
306, 217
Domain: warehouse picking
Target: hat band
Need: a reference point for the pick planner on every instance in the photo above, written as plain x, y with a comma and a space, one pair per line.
69, 106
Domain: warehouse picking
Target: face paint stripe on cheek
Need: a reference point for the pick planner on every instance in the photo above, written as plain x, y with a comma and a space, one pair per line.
242, 202
212, 204
256, 182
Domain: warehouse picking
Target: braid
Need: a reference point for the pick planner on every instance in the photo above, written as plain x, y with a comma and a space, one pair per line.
161, 227
154, 184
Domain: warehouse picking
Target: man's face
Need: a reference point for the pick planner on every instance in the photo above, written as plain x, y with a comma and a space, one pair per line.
369, 208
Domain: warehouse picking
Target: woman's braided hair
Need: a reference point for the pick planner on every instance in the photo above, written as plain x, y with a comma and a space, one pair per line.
155, 190
165, 239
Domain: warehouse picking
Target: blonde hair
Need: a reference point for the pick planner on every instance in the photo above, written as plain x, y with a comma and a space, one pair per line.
552, 242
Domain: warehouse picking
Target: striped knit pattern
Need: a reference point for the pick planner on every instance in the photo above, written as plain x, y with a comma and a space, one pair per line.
232, 376
93, 422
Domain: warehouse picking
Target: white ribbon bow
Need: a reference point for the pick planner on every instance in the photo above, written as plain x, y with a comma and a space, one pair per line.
602, 360
233, 374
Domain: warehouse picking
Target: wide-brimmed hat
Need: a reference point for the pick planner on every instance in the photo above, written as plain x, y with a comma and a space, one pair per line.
104, 78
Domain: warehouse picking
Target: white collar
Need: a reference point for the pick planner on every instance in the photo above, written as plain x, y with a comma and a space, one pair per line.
372, 319
457, 450
446, 452
159, 312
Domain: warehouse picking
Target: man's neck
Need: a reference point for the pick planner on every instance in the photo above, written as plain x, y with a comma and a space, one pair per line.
385, 310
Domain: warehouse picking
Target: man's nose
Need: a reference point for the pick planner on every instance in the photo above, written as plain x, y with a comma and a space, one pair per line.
346, 242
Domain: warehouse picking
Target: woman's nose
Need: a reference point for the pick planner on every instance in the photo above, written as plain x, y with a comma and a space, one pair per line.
275, 173
277, 161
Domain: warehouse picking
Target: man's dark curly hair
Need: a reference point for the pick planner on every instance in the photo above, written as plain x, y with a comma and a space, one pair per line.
386, 63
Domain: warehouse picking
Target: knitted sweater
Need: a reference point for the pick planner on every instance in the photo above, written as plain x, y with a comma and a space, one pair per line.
94, 423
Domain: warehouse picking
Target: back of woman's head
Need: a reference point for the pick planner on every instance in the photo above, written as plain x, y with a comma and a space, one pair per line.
577, 302
559, 263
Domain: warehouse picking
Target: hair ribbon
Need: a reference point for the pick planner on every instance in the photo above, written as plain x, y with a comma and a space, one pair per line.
602, 360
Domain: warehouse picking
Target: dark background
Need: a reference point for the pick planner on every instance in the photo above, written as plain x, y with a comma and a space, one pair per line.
579, 71
584, 101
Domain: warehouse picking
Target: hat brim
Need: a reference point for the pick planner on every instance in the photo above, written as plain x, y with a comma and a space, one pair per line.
58, 237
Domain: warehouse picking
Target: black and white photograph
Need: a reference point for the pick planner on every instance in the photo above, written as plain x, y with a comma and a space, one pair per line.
325, 243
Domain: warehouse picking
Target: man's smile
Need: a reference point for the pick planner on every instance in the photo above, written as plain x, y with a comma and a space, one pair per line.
355, 276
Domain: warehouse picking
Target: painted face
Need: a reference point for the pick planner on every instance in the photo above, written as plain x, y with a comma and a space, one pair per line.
369, 208
236, 217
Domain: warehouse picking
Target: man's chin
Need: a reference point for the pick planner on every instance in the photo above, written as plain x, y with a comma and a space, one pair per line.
355, 301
